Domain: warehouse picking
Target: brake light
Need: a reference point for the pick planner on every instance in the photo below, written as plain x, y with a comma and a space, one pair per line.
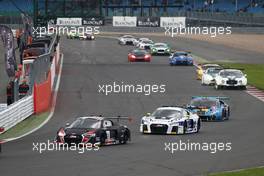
61, 132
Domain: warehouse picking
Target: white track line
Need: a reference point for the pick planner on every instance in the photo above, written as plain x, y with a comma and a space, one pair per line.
53, 104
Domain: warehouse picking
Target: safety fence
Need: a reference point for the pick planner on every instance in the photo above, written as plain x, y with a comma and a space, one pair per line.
42, 76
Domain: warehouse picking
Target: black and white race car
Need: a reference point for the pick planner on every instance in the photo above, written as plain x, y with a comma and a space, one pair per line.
170, 120
127, 40
94, 130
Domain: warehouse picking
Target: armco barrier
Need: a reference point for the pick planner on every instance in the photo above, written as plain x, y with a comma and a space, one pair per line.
16, 112
42, 95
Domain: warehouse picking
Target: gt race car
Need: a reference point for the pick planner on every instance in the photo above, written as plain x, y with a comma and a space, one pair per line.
138, 55
126, 40
87, 36
146, 44
92, 130
181, 58
210, 108
203, 67
209, 75
170, 120
231, 78
160, 49
136, 42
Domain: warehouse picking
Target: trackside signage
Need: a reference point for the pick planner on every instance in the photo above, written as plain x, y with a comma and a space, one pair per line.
124, 21
93, 21
172, 21
69, 21
148, 21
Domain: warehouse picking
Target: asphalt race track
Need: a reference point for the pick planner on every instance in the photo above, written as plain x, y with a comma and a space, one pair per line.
90, 63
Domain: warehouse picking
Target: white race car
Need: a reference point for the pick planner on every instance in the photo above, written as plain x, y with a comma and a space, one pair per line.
170, 120
230, 78
209, 75
126, 40
136, 42
145, 44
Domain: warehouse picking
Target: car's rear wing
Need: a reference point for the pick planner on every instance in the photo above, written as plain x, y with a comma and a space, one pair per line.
213, 97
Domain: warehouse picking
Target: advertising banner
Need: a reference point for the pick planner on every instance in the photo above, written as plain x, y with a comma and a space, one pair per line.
93, 21
172, 21
124, 21
148, 22
69, 21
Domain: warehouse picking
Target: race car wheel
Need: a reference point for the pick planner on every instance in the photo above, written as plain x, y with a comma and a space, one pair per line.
184, 127
198, 125
124, 139
102, 139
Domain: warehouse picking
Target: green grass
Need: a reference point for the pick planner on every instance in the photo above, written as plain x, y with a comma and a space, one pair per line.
246, 172
25, 126
255, 73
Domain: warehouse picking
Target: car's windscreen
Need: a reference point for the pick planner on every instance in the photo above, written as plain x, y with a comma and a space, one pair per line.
180, 54
160, 45
167, 113
147, 42
139, 52
127, 36
237, 73
85, 123
203, 103
209, 66
213, 71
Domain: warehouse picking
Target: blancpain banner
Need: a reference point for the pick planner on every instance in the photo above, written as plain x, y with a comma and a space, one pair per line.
69, 21
172, 21
124, 21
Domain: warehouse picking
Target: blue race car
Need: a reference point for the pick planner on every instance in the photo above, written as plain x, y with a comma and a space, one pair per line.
181, 58
210, 108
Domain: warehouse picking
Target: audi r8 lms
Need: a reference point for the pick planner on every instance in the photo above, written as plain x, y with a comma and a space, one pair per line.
92, 130
181, 58
209, 75
160, 49
201, 69
170, 120
231, 78
138, 55
145, 44
210, 108
126, 40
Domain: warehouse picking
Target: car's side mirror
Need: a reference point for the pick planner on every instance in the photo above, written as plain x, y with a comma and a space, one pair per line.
67, 124
148, 114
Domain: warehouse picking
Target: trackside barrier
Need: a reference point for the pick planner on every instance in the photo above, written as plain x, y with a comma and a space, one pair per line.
42, 95
16, 112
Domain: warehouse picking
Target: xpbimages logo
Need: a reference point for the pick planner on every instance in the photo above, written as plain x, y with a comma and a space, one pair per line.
211, 147
146, 89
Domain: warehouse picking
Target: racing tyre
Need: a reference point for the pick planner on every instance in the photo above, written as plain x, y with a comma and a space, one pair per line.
102, 139
198, 125
124, 139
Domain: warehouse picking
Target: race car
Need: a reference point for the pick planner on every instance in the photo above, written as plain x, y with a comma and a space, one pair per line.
94, 130
181, 58
202, 67
126, 40
72, 35
209, 75
146, 44
87, 36
170, 120
139, 55
230, 78
160, 49
210, 107
136, 42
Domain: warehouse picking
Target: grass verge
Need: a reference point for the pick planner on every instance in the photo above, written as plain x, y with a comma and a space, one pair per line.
254, 73
25, 126
246, 172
